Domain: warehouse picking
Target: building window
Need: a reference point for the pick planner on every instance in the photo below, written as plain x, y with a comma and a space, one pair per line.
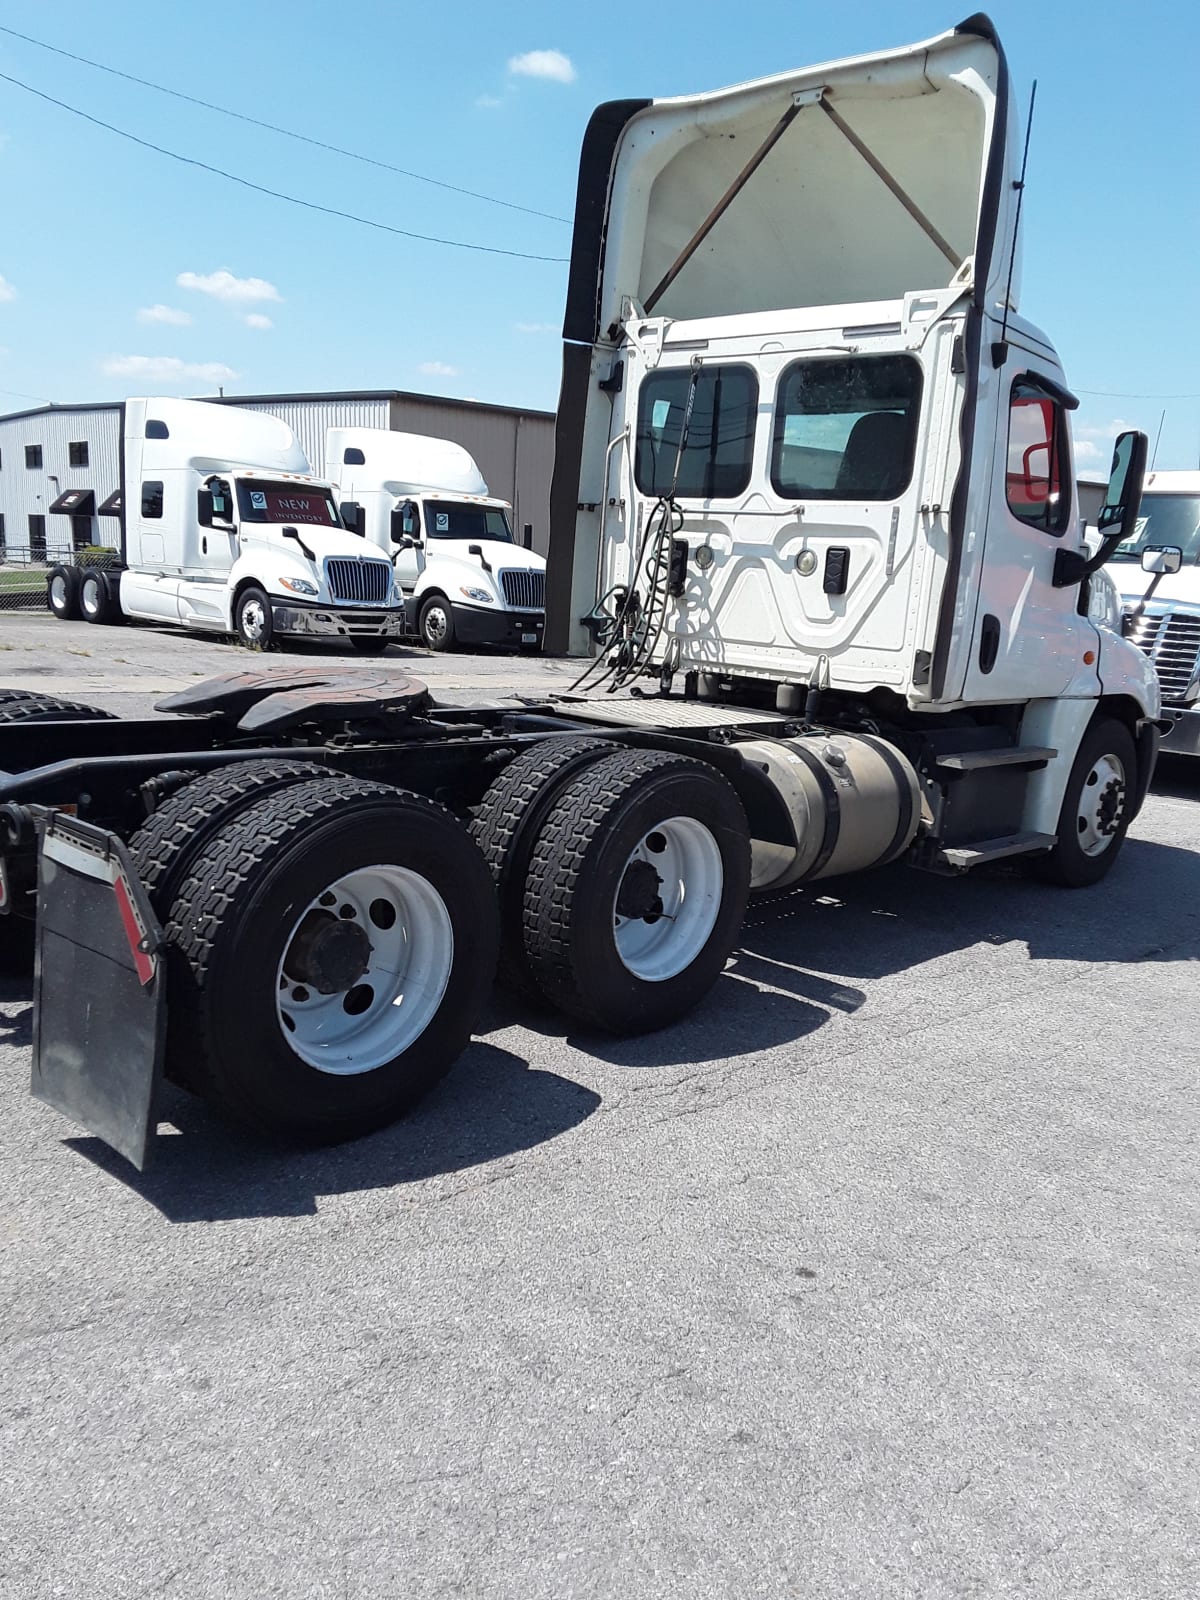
37, 536
715, 460
152, 499
78, 453
846, 430
33, 455
1038, 475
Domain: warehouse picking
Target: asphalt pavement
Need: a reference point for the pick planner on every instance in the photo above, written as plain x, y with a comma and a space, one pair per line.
875, 1277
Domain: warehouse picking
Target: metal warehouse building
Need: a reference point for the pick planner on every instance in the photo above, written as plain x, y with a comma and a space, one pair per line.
59, 464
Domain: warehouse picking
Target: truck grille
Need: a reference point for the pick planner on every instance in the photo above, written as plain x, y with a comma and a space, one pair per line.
359, 582
524, 591
1172, 641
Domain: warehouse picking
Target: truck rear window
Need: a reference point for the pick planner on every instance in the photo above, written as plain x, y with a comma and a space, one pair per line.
846, 430
715, 460
286, 502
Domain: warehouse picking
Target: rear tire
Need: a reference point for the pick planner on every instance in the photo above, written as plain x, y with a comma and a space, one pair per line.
48, 708
279, 899
252, 620
636, 889
1097, 808
171, 838
99, 598
505, 828
62, 593
435, 624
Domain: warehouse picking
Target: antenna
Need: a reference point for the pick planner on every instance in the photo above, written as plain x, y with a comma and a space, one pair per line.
1000, 349
1157, 437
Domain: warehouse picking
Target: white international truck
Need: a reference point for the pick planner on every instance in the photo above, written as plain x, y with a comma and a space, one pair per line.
224, 529
815, 539
465, 579
1157, 573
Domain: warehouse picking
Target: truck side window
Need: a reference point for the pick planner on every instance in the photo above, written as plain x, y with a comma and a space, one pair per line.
1037, 479
715, 463
152, 499
846, 429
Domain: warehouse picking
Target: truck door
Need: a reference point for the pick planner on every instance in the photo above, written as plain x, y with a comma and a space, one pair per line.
408, 532
1028, 640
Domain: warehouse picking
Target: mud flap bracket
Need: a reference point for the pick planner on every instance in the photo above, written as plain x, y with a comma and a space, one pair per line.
99, 987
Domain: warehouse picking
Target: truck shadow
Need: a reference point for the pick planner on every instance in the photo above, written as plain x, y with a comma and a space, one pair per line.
803, 953
491, 1105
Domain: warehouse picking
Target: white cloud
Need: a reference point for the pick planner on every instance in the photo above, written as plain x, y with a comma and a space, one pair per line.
488, 102
169, 314
549, 64
1093, 441
222, 285
167, 369
255, 319
536, 327
437, 369
7, 292
1086, 451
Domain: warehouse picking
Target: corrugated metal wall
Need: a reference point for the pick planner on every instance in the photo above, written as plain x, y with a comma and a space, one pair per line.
308, 419
30, 491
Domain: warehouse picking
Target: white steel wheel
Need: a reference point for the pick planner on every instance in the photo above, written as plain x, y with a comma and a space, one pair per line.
435, 624
253, 619
668, 899
58, 592
1101, 805
364, 970
90, 598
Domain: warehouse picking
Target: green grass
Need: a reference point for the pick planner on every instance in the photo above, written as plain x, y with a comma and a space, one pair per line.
31, 578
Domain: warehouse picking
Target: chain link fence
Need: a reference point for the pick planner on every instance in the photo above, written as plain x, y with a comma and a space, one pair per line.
25, 571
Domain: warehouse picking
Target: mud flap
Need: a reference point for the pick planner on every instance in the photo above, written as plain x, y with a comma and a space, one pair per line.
99, 987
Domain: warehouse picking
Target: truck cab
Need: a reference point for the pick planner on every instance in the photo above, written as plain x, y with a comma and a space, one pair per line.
1157, 573
809, 449
225, 529
464, 578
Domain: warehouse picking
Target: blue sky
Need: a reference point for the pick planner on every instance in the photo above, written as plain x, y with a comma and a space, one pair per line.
123, 272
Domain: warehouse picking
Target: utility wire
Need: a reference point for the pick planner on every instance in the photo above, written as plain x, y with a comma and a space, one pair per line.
288, 133
277, 194
1118, 394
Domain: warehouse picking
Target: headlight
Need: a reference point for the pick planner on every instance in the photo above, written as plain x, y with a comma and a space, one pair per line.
397, 595
299, 585
480, 595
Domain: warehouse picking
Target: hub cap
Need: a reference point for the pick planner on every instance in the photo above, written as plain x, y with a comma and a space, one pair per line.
89, 596
668, 899
1101, 805
254, 620
364, 970
58, 590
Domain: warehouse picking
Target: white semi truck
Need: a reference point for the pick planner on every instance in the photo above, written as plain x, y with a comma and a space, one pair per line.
465, 579
225, 529
1157, 572
813, 508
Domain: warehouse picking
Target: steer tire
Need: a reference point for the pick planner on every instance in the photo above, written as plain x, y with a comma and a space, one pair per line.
62, 593
253, 622
1068, 864
231, 929
435, 623
579, 866
48, 708
171, 838
505, 828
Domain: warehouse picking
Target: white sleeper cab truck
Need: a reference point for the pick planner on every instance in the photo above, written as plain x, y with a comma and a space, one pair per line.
224, 529
464, 578
813, 502
1157, 573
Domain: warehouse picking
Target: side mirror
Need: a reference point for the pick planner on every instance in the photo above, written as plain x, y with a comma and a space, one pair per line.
204, 507
1123, 497
352, 517
406, 524
477, 550
1162, 558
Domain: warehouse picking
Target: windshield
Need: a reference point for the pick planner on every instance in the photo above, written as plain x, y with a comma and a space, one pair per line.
449, 519
1165, 519
286, 502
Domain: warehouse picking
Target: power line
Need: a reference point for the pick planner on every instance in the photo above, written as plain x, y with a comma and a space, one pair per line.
1117, 394
288, 133
277, 194
20, 394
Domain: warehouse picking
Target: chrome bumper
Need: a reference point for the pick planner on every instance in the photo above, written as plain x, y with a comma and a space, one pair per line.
322, 623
